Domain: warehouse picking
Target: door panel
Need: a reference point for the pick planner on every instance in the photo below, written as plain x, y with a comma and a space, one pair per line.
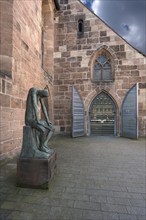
77, 114
129, 114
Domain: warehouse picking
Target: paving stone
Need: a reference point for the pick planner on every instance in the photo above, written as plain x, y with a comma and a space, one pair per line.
127, 217
100, 199
141, 217
8, 205
118, 201
5, 214
74, 196
136, 210
127, 195
64, 213
138, 202
103, 193
75, 190
89, 185
136, 189
113, 208
58, 202
87, 205
114, 188
92, 182
55, 212
16, 215
92, 215
110, 216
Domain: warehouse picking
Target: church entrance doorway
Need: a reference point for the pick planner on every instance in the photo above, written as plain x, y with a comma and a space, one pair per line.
102, 115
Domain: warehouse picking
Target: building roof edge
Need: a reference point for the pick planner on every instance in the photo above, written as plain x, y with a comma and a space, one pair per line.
113, 29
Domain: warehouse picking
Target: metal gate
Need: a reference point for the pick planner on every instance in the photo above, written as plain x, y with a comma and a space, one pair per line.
77, 114
129, 114
102, 116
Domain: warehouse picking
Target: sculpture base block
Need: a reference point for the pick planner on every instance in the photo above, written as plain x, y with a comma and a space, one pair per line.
34, 172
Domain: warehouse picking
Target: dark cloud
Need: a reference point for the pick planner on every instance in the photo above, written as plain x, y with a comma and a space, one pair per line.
126, 27
126, 17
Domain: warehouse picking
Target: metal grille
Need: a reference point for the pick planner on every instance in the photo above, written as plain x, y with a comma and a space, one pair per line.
102, 115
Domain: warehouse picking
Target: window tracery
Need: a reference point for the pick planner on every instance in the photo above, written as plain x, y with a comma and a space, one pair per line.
102, 70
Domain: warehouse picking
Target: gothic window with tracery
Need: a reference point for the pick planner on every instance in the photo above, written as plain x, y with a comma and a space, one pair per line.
102, 70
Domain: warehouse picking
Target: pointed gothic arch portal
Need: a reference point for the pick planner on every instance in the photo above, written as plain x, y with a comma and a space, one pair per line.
102, 116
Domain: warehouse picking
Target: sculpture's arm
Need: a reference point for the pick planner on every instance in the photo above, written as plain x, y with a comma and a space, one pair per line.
45, 111
35, 106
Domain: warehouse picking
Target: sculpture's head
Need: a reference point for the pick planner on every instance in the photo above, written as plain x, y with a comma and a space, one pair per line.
43, 93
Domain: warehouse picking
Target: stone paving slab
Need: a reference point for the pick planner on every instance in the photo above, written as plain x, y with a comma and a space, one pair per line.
98, 178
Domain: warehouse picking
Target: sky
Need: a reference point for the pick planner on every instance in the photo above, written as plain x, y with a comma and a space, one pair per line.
126, 17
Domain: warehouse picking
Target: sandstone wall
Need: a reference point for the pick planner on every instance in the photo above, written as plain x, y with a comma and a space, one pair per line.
73, 63
48, 28
6, 26
68, 61
21, 44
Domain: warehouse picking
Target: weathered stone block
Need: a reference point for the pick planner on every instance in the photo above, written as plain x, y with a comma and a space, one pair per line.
135, 73
142, 85
94, 34
104, 39
87, 47
75, 64
35, 173
63, 88
4, 100
65, 54
121, 55
15, 103
122, 47
92, 40
115, 47
103, 33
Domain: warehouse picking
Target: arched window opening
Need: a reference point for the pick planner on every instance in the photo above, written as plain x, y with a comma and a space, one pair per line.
102, 70
80, 27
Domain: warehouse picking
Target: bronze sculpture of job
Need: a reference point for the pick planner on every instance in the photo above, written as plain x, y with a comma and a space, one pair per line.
44, 128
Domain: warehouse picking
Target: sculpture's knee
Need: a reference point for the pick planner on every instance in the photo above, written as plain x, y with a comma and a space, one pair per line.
52, 128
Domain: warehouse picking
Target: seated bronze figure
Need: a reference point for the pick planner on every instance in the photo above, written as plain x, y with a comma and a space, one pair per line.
38, 130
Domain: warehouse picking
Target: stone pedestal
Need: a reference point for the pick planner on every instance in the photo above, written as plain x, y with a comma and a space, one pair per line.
35, 172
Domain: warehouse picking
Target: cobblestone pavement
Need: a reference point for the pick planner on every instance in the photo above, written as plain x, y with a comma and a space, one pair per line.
98, 178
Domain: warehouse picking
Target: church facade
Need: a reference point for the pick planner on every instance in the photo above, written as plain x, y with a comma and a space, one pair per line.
96, 80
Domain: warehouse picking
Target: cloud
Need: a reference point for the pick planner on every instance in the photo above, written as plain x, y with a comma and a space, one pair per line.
133, 34
126, 27
126, 17
95, 6
84, 1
